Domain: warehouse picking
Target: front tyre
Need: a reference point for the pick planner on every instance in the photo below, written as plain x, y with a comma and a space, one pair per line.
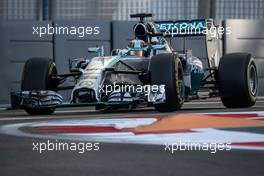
166, 69
238, 81
37, 75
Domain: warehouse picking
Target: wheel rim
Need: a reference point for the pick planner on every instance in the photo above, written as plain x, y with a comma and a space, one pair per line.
252, 79
179, 78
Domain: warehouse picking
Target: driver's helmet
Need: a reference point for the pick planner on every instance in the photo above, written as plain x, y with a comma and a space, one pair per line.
137, 48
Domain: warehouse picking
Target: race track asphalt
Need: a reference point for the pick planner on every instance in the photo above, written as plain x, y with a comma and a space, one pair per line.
17, 157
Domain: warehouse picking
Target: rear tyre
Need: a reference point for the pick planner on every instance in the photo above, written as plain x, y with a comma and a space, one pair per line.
166, 69
238, 81
37, 75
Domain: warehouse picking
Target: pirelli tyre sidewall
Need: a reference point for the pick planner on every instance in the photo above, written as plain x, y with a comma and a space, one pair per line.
238, 80
166, 69
37, 75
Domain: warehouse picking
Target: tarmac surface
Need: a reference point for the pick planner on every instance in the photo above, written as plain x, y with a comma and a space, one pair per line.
128, 147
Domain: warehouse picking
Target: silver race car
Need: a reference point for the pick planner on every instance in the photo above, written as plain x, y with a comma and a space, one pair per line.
148, 72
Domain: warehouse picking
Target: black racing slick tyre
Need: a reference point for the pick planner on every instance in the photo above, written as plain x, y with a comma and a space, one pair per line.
37, 75
238, 80
166, 69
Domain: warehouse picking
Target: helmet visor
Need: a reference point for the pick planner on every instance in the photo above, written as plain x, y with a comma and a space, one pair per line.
137, 53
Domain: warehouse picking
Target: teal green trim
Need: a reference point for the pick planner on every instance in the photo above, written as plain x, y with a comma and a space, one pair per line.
196, 79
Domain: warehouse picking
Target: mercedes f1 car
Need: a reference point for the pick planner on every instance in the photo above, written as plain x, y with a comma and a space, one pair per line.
149, 72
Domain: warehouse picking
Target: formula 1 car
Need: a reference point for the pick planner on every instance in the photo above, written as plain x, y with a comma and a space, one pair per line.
148, 72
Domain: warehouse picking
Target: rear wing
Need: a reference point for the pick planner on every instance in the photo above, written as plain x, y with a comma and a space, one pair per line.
184, 27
